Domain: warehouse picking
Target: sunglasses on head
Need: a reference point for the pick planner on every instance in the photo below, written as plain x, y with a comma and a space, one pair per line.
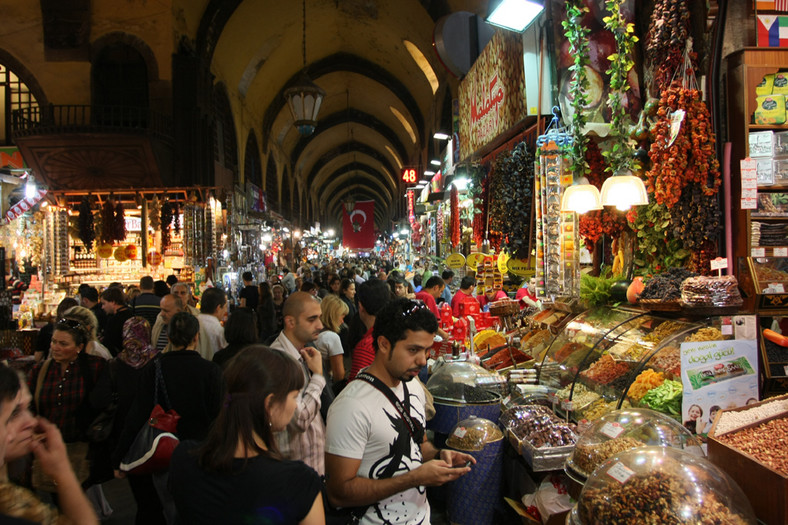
412, 306
69, 323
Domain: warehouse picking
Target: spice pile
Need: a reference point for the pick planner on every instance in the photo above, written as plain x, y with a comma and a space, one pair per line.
705, 334
601, 407
655, 497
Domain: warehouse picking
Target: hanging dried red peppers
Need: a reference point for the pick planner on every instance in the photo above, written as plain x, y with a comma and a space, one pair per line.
455, 218
166, 220
690, 157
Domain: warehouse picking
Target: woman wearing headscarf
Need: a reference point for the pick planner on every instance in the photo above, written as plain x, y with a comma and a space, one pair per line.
120, 381
194, 390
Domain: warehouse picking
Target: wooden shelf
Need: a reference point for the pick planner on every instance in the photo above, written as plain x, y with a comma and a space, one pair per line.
768, 127
769, 217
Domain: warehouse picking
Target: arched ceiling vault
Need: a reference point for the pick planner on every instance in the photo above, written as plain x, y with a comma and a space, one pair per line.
380, 108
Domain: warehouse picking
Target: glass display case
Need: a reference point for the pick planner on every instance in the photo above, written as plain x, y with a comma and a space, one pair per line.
624, 430
767, 279
660, 485
601, 353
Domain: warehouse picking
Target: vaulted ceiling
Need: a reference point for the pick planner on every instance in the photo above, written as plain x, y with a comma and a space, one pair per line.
386, 90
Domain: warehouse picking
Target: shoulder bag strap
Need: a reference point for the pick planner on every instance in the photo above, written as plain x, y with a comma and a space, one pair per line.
415, 428
40, 382
159, 381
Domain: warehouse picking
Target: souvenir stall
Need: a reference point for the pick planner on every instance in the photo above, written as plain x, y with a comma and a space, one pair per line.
102, 237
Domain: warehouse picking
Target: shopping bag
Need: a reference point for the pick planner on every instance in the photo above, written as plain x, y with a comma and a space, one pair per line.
155, 442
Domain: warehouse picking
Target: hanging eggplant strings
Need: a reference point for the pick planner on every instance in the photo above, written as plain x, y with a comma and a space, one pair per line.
120, 222
166, 220
86, 232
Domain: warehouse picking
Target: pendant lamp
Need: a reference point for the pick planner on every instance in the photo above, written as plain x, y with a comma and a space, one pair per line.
581, 197
624, 191
305, 97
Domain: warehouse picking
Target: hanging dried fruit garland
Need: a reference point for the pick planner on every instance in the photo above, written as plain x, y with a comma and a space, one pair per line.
454, 226
87, 234
668, 31
113, 222
166, 220
594, 224
511, 206
685, 157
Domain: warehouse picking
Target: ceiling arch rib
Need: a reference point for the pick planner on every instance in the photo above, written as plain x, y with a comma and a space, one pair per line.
340, 162
358, 171
351, 115
350, 63
359, 193
216, 16
348, 147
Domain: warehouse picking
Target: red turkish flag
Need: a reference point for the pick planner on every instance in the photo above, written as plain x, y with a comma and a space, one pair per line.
358, 226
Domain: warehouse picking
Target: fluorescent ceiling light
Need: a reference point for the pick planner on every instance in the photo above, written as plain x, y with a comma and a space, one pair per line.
514, 15
441, 136
435, 162
429, 173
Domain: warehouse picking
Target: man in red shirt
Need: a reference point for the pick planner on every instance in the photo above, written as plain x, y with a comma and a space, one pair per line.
431, 291
372, 295
490, 295
465, 293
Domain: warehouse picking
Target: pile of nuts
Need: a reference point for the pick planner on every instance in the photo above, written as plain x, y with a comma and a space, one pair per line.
546, 431
766, 443
588, 457
474, 438
605, 370
601, 407
667, 359
729, 421
655, 497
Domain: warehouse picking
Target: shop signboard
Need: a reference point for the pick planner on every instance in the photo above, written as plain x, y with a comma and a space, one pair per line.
256, 198
411, 206
520, 267
716, 375
492, 94
455, 261
11, 158
474, 259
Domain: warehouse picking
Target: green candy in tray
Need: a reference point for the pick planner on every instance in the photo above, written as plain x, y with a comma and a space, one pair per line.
665, 398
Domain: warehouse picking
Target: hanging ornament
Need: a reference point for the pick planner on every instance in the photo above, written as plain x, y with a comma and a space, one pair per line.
154, 258
104, 251
120, 254
131, 251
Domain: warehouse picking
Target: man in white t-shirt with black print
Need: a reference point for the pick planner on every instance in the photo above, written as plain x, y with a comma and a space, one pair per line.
376, 459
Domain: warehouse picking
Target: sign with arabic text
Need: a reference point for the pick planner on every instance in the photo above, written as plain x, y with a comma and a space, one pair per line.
492, 94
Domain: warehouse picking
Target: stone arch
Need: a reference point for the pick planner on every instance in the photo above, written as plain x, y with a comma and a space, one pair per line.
225, 142
25, 75
253, 170
132, 41
271, 185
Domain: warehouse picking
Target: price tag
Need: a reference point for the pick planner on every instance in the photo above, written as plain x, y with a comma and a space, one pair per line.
620, 472
567, 405
749, 204
775, 288
726, 329
455, 261
750, 193
785, 369
720, 263
460, 432
676, 118
758, 252
781, 252
748, 184
612, 430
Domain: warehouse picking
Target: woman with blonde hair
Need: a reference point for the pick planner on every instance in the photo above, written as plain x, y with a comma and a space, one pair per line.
333, 312
88, 319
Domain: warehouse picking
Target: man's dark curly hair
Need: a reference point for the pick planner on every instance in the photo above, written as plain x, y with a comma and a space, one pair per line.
400, 315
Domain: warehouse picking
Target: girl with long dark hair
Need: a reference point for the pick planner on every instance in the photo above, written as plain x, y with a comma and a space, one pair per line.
236, 475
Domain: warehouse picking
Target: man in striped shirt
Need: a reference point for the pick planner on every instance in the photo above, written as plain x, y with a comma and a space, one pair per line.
171, 305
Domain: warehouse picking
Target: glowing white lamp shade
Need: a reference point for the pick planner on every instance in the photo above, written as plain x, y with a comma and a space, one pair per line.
624, 191
581, 198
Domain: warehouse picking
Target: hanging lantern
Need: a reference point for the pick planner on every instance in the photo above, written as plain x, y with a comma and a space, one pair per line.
120, 254
154, 258
131, 251
104, 251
